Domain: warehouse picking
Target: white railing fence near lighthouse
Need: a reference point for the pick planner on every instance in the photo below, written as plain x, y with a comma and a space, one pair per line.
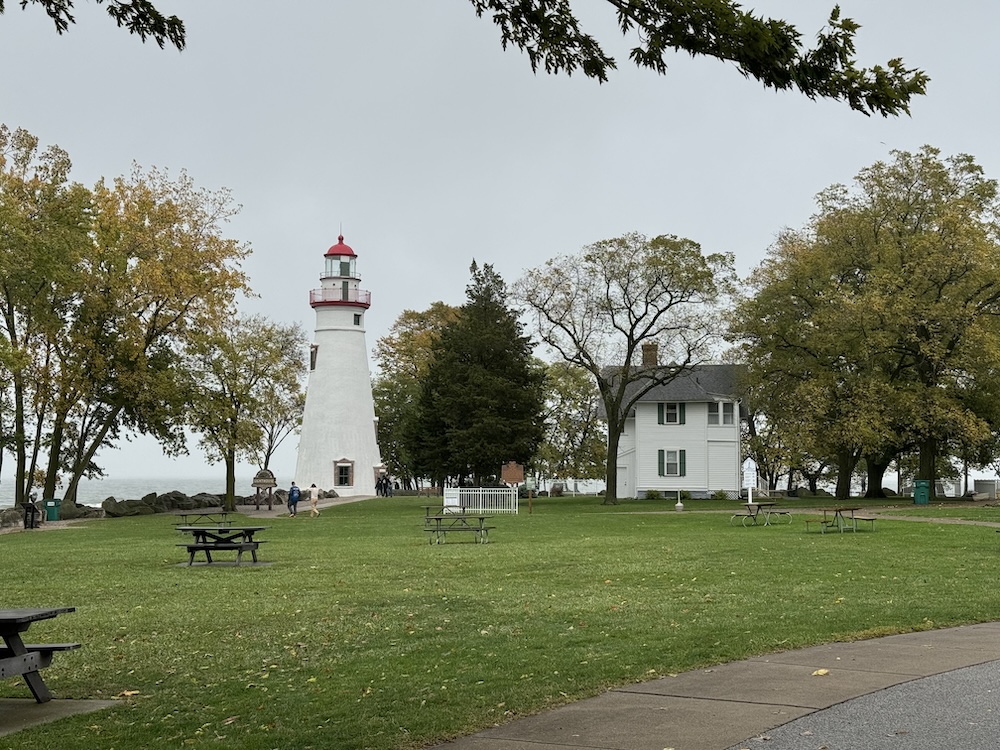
480, 499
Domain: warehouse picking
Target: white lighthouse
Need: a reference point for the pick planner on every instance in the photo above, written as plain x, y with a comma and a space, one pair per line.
338, 449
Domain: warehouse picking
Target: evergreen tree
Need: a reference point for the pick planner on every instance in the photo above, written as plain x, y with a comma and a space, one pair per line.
482, 399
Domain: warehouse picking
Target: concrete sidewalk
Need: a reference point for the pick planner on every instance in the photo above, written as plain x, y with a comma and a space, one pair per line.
281, 510
919, 691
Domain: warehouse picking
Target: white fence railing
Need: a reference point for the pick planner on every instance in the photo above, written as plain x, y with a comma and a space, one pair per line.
480, 499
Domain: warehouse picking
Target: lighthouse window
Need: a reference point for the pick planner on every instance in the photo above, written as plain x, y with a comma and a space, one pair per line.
344, 478
357, 319
345, 268
313, 350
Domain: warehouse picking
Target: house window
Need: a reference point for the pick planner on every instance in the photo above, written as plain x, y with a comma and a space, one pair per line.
727, 413
671, 463
345, 475
670, 413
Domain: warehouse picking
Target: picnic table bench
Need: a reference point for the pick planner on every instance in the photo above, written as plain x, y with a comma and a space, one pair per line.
20, 659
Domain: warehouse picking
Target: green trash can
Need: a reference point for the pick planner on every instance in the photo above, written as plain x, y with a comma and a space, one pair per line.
52, 509
921, 491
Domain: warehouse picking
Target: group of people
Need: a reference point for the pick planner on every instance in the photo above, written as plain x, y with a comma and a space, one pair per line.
295, 494
383, 486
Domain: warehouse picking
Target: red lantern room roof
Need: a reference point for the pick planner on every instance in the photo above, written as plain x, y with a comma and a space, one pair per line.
340, 248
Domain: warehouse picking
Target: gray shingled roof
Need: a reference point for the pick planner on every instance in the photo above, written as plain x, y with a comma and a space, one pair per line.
703, 383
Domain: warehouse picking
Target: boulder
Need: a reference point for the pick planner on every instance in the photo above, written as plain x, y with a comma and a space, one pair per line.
115, 508
11, 517
162, 503
205, 500
70, 511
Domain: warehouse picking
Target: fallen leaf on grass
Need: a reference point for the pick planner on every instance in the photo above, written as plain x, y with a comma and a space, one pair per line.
821, 672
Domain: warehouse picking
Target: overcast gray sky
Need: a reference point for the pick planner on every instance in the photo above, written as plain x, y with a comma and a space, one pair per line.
406, 124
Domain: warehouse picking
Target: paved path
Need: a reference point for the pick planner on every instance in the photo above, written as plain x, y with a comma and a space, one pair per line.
933, 690
281, 510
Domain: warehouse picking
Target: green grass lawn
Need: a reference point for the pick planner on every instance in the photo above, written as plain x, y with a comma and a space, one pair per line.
361, 635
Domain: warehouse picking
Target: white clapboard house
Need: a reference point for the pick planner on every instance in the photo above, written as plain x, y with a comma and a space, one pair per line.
684, 436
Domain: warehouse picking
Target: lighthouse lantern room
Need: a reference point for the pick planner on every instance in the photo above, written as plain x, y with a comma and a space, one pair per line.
338, 446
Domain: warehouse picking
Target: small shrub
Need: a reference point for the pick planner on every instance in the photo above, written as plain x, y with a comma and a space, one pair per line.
684, 496
653, 495
720, 495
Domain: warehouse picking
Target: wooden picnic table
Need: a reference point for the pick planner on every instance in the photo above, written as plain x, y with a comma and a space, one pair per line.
20, 659
439, 524
209, 539
439, 509
839, 517
218, 516
755, 509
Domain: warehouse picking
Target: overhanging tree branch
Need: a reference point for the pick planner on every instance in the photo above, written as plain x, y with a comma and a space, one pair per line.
140, 17
766, 49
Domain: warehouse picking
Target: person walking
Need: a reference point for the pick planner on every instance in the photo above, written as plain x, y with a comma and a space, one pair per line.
293, 500
313, 500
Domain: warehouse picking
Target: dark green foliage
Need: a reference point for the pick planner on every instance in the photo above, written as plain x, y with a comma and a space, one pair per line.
140, 17
767, 49
482, 399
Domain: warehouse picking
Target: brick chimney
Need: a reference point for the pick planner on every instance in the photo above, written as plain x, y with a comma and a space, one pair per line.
650, 355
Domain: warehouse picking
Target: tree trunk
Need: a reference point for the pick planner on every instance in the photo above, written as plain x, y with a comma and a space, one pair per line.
55, 447
876, 472
21, 478
846, 462
927, 462
92, 448
230, 503
611, 468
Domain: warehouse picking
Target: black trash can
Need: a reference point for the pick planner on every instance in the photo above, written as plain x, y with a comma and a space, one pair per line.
30, 515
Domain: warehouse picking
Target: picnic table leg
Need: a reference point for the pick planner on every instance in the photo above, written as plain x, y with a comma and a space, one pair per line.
33, 680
